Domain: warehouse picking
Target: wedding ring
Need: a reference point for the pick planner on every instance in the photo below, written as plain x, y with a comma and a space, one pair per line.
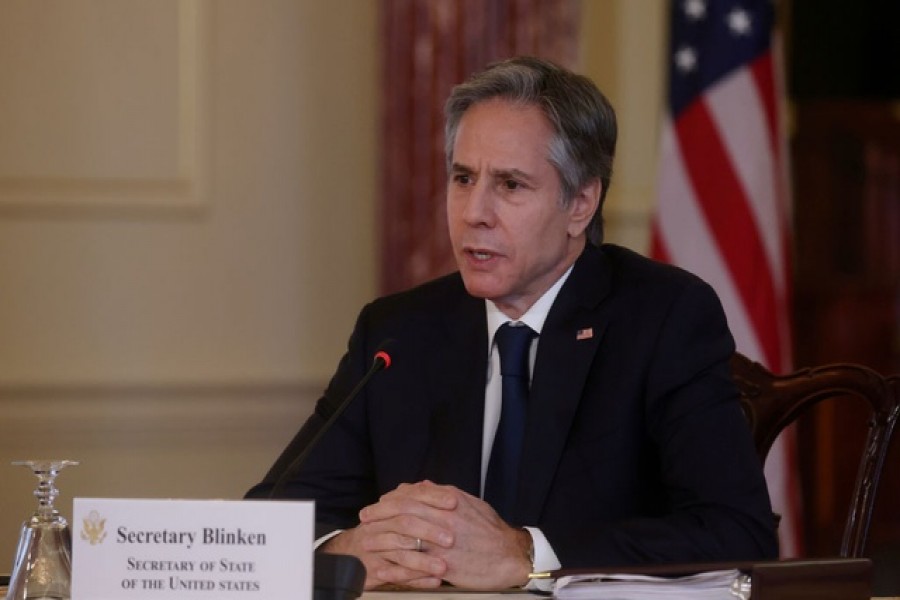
418, 544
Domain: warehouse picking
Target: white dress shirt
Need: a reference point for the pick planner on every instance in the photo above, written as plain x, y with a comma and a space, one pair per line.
545, 558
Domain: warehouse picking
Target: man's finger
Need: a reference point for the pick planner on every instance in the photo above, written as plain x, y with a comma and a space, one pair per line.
402, 566
437, 496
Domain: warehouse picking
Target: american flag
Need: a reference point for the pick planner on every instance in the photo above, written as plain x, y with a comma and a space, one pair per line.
723, 206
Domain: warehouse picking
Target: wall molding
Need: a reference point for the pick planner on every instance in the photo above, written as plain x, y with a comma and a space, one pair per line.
39, 188
151, 414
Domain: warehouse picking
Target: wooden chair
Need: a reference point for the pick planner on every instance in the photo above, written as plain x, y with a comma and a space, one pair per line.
772, 402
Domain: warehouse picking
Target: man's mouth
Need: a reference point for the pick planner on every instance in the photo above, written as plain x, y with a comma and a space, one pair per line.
481, 253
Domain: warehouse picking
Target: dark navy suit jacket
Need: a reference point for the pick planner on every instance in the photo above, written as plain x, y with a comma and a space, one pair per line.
636, 448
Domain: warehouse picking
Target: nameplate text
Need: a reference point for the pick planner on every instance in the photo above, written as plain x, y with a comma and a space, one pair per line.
206, 549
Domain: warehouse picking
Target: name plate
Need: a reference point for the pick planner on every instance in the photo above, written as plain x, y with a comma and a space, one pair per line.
210, 549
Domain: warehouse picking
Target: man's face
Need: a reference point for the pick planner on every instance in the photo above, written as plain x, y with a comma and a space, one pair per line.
512, 238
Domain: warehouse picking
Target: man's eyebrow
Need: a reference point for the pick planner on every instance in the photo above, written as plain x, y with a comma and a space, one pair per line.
511, 174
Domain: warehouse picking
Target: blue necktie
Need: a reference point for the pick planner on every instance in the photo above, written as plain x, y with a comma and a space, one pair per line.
502, 478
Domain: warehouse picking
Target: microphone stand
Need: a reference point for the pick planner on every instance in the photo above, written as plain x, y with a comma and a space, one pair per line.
335, 576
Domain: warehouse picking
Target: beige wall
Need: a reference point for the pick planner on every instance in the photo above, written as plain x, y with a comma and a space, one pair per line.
187, 209
623, 51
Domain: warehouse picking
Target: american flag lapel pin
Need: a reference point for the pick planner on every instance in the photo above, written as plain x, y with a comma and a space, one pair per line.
584, 334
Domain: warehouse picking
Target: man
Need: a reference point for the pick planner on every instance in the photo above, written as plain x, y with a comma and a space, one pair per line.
634, 446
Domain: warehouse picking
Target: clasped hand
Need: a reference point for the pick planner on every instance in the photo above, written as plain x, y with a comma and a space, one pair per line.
462, 539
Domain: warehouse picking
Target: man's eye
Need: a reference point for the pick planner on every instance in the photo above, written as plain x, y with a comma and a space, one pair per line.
511, 184
462, 178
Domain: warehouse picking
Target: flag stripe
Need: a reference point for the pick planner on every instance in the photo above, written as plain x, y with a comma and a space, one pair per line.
723, 209
763, 75
763, 72
783, 201
724, 204
684, 233
749, 149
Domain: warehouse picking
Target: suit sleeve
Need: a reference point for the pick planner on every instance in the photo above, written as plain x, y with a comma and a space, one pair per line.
716, 505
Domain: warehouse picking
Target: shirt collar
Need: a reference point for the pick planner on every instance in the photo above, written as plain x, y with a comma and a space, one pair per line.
534, 317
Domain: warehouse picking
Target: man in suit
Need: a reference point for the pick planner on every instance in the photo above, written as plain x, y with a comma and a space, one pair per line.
632, 447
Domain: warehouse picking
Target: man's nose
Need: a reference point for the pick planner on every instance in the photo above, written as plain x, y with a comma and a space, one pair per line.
480, 205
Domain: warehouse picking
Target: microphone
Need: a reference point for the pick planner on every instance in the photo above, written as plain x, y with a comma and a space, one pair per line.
381, 361
336, 576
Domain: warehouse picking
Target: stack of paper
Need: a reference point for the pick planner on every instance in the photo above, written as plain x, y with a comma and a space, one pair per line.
710, 585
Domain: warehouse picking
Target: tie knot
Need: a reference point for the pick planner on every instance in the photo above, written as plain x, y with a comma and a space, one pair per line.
513, 342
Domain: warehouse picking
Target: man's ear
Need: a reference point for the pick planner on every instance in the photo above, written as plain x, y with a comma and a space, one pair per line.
583, 206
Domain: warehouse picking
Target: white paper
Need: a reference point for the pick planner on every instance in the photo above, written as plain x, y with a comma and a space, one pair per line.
711, 585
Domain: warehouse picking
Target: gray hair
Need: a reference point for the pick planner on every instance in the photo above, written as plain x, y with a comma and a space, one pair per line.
583, 121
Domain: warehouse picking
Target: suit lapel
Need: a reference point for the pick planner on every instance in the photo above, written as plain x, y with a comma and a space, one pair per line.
569, 340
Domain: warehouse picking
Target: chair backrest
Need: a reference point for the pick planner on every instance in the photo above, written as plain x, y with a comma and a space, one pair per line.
772, 402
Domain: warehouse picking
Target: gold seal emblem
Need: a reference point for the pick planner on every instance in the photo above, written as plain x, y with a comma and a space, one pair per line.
93, 528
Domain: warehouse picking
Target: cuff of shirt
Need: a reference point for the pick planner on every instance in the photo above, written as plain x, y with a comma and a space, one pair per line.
544, 560
318, 543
